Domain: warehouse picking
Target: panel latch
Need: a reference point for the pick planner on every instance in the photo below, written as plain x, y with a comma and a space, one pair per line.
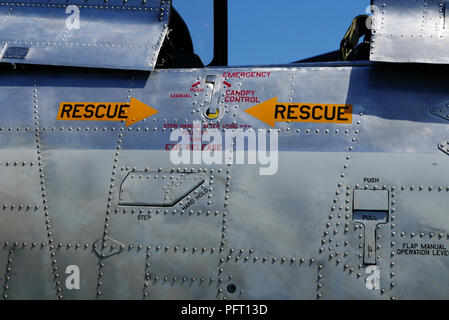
211, 109
370, 209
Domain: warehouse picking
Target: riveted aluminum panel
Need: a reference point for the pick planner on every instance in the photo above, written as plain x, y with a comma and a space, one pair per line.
293, 85
350, 282
180, 272
301, 85
167, 229
195, 220
410, 31
399, 169
20, 182
88, 86
421, 264
86, 176
285, 223
302, 212
200, 211
297, 85
25, 223
397, 116
75, 33
19, 158
282, 280
31, 274
123, 275
16, 102
178, 95
82, 256
73, 148
421, 208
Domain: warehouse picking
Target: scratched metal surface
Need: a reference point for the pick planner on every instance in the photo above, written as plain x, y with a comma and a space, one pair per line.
286, 236
115, 34
410, 31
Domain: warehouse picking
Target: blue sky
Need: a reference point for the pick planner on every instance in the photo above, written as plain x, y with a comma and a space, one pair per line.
270, 31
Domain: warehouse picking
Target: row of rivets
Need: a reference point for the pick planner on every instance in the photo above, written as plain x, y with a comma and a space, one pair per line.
111, 191
53, 260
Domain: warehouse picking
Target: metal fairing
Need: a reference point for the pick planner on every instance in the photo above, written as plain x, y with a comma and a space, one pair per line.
410, 31
115, 34
291, 235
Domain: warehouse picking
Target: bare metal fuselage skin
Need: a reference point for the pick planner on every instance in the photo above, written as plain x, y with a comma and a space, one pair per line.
357, 208
292, 235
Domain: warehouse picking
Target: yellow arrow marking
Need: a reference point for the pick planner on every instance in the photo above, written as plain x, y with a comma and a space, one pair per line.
131, 112
272, 111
